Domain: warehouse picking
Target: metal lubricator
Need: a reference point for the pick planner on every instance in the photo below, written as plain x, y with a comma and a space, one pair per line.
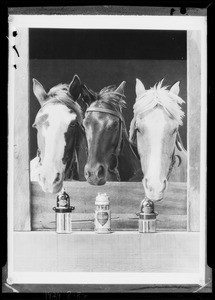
147, 216
63, 213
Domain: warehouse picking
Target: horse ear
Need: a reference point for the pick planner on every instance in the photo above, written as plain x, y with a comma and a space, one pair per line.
88, 95
75, 88
39, 91
120, 88
175, 88
140, 89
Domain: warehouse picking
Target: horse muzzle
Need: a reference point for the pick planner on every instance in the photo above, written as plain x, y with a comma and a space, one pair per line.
96, 175
51, 184
154, 191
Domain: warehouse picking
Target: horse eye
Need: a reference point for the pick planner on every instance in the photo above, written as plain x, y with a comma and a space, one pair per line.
138, 129
72, 124
34, 125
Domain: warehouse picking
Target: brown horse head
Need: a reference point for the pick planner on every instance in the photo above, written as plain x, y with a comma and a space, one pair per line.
103, 124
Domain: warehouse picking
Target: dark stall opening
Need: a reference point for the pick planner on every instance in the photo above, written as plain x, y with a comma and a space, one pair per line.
105, 57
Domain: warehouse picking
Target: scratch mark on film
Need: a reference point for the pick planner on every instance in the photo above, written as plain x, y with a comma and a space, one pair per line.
199, 289
13, 46
10, 287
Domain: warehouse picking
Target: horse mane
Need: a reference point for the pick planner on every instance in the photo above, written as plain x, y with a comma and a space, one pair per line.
60, 94
108, 95
159, 95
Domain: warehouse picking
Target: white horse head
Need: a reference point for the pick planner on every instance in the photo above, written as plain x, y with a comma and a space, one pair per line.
157, 116
56, 127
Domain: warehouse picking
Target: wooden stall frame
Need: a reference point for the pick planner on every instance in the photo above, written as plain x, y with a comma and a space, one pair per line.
19, 203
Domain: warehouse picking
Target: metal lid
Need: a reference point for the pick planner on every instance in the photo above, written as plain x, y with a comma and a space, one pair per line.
63, 200
63, 203
147, 206
147, 210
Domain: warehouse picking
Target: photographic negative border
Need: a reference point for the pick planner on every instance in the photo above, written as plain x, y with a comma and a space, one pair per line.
196, 191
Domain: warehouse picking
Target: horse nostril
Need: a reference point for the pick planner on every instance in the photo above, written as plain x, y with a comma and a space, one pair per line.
146, 183
101, 171
164, 185
57, 178
87, 174
43, 179
148, 186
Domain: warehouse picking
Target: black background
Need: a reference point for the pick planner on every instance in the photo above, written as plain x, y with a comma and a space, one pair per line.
107, 44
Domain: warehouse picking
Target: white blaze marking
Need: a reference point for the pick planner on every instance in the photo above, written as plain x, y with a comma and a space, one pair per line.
59, 119
155, 123
89, 133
